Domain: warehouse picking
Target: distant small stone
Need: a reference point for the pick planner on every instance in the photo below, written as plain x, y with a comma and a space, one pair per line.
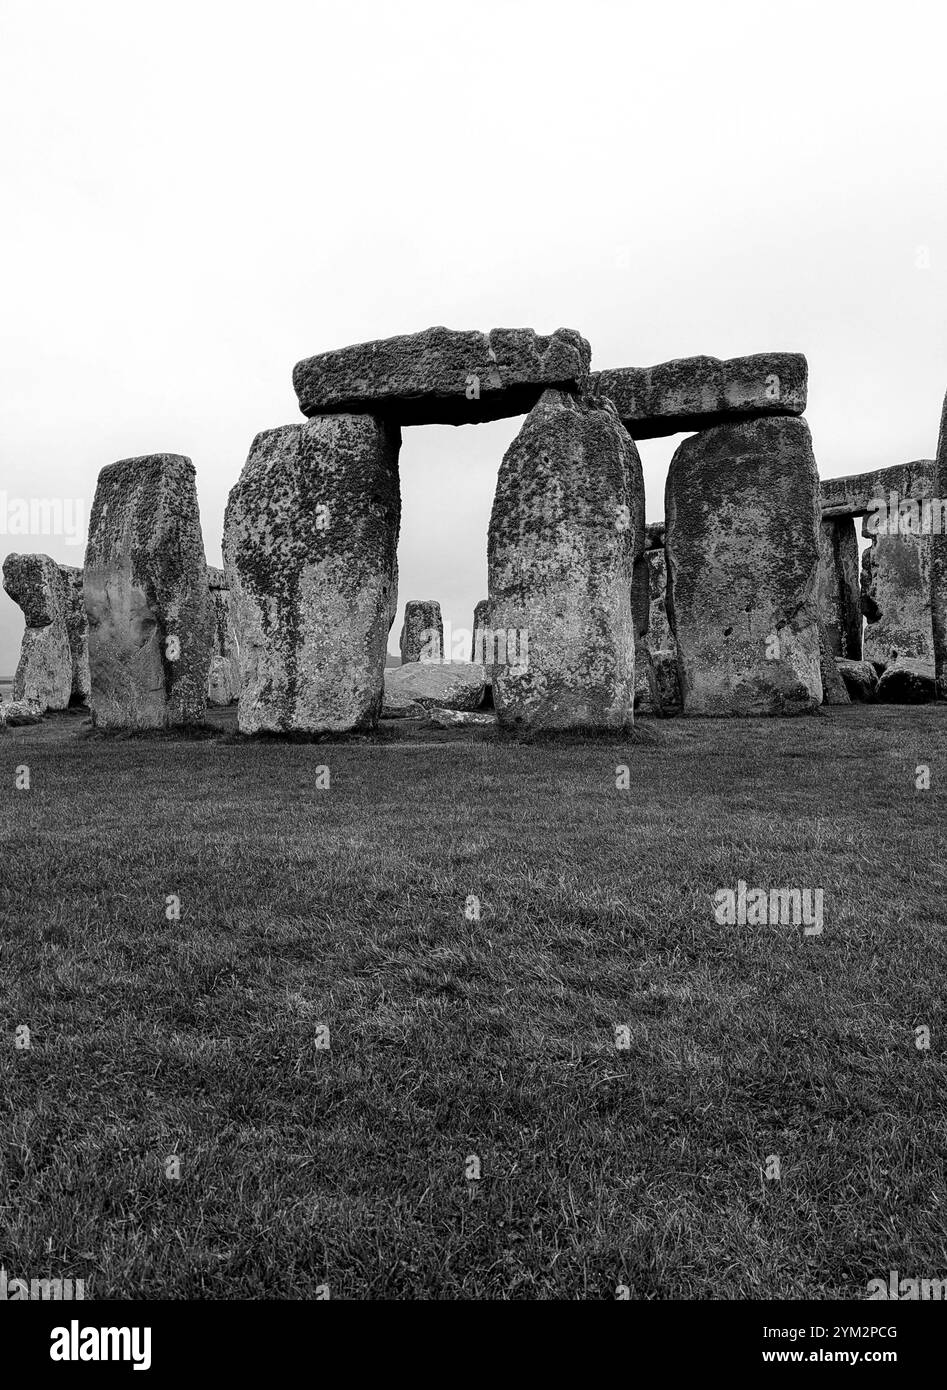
422, 635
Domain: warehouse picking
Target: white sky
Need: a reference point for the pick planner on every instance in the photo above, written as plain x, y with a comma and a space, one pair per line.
195, 195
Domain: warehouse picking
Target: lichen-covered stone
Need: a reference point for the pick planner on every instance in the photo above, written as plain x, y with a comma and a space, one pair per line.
422, 634
223, 682
443, 376
696, 393
896, 598
566, 528
907, 681
17, 712
861, 679
310, 537
77, 627
429, 684
480, 634
855, 494
741, 549
146, 597
44, 674
834, 689
837, 587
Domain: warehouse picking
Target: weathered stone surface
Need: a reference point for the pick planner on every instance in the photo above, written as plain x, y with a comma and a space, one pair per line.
660, 636
450, 718
77, 627
854, 494
430, 684
310, 536
443, 376
834, 689
481, 633
223, 682
742, 551
654, 535
696, 393
838, 592
896, 598
907, 682
422, 633
566, 528
657, 683
939, 564
146, 596
44, 675
861, 679
17, 712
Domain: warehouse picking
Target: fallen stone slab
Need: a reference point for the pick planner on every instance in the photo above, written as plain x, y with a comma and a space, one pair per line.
310, 541
443, 376
422, 633
853, 495
146, 596
44, 673
861, 679
17, 712
430, 684
566, 528
907, 682
451, 718
742, 553
697, 393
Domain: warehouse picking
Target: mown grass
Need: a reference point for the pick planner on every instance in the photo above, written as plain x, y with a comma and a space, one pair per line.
303, 1166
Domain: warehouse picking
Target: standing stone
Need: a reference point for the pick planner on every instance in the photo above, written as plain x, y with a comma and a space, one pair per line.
896, 595
482, 627
837, 587
310, 538
44, 674
146, 596
834, 689
422, 636
566, 528
742, 553
77, 627
939, 562
223, 682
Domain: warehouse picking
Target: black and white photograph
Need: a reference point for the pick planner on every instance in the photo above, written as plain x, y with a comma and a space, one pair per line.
473, 673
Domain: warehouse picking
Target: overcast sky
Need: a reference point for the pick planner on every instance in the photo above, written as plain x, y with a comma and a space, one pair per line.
196, 195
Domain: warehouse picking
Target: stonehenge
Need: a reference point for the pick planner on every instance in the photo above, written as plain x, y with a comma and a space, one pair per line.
566, 528
310, 539
146, 597
747, 598
422, 635
741, 548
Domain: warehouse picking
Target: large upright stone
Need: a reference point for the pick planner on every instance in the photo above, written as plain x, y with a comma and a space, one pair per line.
422, 633
566, 528
223, 681
939, 563
837, 587
77, 626
44, 675
310, 538
696, 393
146, 596
742, 551
896, 596
443, 376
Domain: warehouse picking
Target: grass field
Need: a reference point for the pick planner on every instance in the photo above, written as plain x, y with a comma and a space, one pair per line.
345, 909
